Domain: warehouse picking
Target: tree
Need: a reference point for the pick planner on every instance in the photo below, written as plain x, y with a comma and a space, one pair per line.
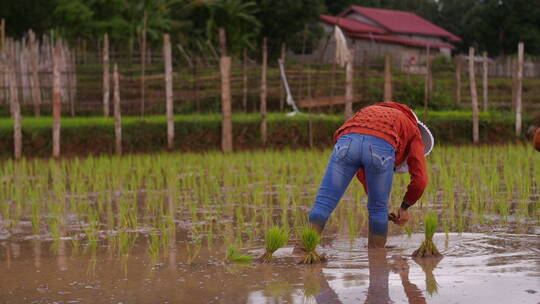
284, 21
239, 21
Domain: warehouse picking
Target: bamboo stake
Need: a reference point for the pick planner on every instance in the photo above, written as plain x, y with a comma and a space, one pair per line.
106, 76
474, 96
16, 113
117, 111
459, 62
167, 54
387, 77
143, 61
485, 81
34, 79
57, 59
349, 83
519, 82
225, 69
264, 125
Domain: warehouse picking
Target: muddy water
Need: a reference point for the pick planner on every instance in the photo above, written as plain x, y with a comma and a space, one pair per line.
493, 267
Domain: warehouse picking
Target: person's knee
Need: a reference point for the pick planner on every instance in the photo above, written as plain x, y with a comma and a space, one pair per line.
378, 220
318, 218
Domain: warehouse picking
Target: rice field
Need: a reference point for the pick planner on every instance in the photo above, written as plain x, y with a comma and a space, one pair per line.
142, 209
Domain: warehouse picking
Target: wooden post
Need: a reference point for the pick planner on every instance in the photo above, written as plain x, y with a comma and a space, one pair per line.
167, 55
143, 61
474, 95
281, 87
16, 112
117, 111
56, 96
34, 77
387, 77
514, 68
264, 124
459, 62
427, 82
106, 76
225, 70
244, 81
349, 85
519, 76
485, 80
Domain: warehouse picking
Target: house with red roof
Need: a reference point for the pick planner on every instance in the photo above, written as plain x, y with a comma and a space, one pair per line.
374, 32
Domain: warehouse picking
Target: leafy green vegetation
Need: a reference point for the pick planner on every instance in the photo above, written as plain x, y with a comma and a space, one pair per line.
202, 132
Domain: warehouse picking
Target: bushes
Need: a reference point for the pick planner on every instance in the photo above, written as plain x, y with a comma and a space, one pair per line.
95, 135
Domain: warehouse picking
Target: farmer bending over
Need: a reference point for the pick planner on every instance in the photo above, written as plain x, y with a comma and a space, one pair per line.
375, 142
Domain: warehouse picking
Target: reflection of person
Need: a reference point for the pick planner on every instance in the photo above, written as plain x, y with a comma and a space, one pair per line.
378, 289
372, 144
536, 140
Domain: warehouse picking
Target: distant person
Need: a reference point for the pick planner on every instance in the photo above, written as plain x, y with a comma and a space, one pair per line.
377, 141
536, 140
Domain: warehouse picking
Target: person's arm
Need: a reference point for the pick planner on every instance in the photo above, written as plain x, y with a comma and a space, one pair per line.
361, 175
418, 171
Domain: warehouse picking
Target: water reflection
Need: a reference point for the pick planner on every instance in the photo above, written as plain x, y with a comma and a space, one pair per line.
380, 267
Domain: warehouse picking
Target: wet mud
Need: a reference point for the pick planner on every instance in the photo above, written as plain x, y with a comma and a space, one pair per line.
476, 268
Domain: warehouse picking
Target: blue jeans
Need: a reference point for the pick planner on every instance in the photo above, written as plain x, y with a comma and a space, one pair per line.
352, 152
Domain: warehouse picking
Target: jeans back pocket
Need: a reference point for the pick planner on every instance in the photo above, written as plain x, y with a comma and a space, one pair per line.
341, 147
382, 158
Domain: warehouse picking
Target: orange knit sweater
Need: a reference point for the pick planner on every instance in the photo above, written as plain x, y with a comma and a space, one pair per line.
396, 124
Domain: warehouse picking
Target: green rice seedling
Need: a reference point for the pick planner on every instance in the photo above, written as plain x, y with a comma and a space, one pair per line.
428, 248
274, 239
310, 239
233, 255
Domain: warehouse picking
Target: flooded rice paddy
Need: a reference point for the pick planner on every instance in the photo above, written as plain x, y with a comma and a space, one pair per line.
155, 229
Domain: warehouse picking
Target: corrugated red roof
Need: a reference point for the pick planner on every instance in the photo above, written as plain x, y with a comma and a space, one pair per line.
402, 40
351, 25
401, 22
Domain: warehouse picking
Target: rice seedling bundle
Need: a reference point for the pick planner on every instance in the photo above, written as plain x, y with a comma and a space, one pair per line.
428, 248
310, 239
275, 238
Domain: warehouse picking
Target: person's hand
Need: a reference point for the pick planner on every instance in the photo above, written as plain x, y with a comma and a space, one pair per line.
401, 218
